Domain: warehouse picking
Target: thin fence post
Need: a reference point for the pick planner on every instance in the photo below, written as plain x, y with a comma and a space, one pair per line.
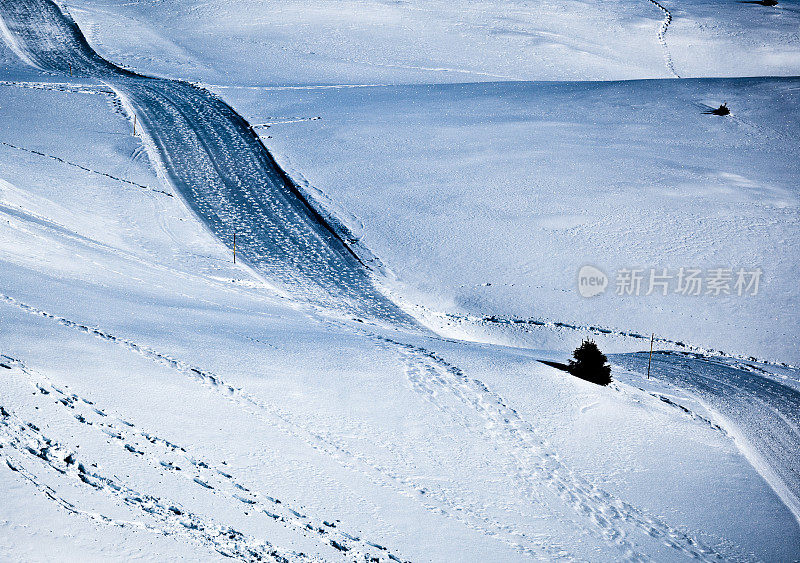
650, 358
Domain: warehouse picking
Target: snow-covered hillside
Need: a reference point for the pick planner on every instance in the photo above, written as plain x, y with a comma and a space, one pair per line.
488, 198
357, 386
257, 42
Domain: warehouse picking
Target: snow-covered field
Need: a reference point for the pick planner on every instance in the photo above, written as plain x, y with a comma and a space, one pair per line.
160, 402
497, 193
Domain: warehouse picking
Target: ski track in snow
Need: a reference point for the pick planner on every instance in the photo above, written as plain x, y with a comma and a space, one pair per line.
168, 459
187, 129
215, 160
758, 408
59, 159
536, 464
662, 32
165, 107
481, 412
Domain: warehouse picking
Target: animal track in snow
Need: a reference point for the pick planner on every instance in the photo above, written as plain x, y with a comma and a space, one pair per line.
380, 475
662, 32
166, 456
488, 415
27, 443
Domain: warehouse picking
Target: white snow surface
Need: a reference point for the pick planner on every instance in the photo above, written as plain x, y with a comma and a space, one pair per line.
161, 403
487, 198
257, 42
496, 194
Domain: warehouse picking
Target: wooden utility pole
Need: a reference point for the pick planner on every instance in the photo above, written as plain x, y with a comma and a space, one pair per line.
650, 359
234, 247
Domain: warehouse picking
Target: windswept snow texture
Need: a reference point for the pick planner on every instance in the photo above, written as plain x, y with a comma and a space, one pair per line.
216, 161
257, 42
764, 411
158, 402
508, 188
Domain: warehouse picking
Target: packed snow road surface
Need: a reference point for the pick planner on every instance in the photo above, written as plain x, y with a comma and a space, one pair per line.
762, 413
213, 158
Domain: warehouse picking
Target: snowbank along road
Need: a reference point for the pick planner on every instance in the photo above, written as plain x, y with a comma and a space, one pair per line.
762, 413
212, 157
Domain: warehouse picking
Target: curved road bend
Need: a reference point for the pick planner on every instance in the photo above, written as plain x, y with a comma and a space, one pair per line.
764, 411
217, 163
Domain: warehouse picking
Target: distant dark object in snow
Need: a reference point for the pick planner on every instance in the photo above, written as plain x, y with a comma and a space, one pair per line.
721, 110
761, 2
589, 363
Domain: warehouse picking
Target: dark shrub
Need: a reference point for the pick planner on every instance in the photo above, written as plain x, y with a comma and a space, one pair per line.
721, 110
589, 363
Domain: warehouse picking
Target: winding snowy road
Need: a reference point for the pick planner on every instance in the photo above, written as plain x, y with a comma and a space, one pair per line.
762, 413
214, 159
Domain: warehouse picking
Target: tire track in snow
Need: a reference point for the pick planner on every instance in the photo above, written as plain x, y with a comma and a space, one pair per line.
216, 161
662, 32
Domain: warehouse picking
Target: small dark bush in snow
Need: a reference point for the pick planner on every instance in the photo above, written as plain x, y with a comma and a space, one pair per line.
721, 110
589, 363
